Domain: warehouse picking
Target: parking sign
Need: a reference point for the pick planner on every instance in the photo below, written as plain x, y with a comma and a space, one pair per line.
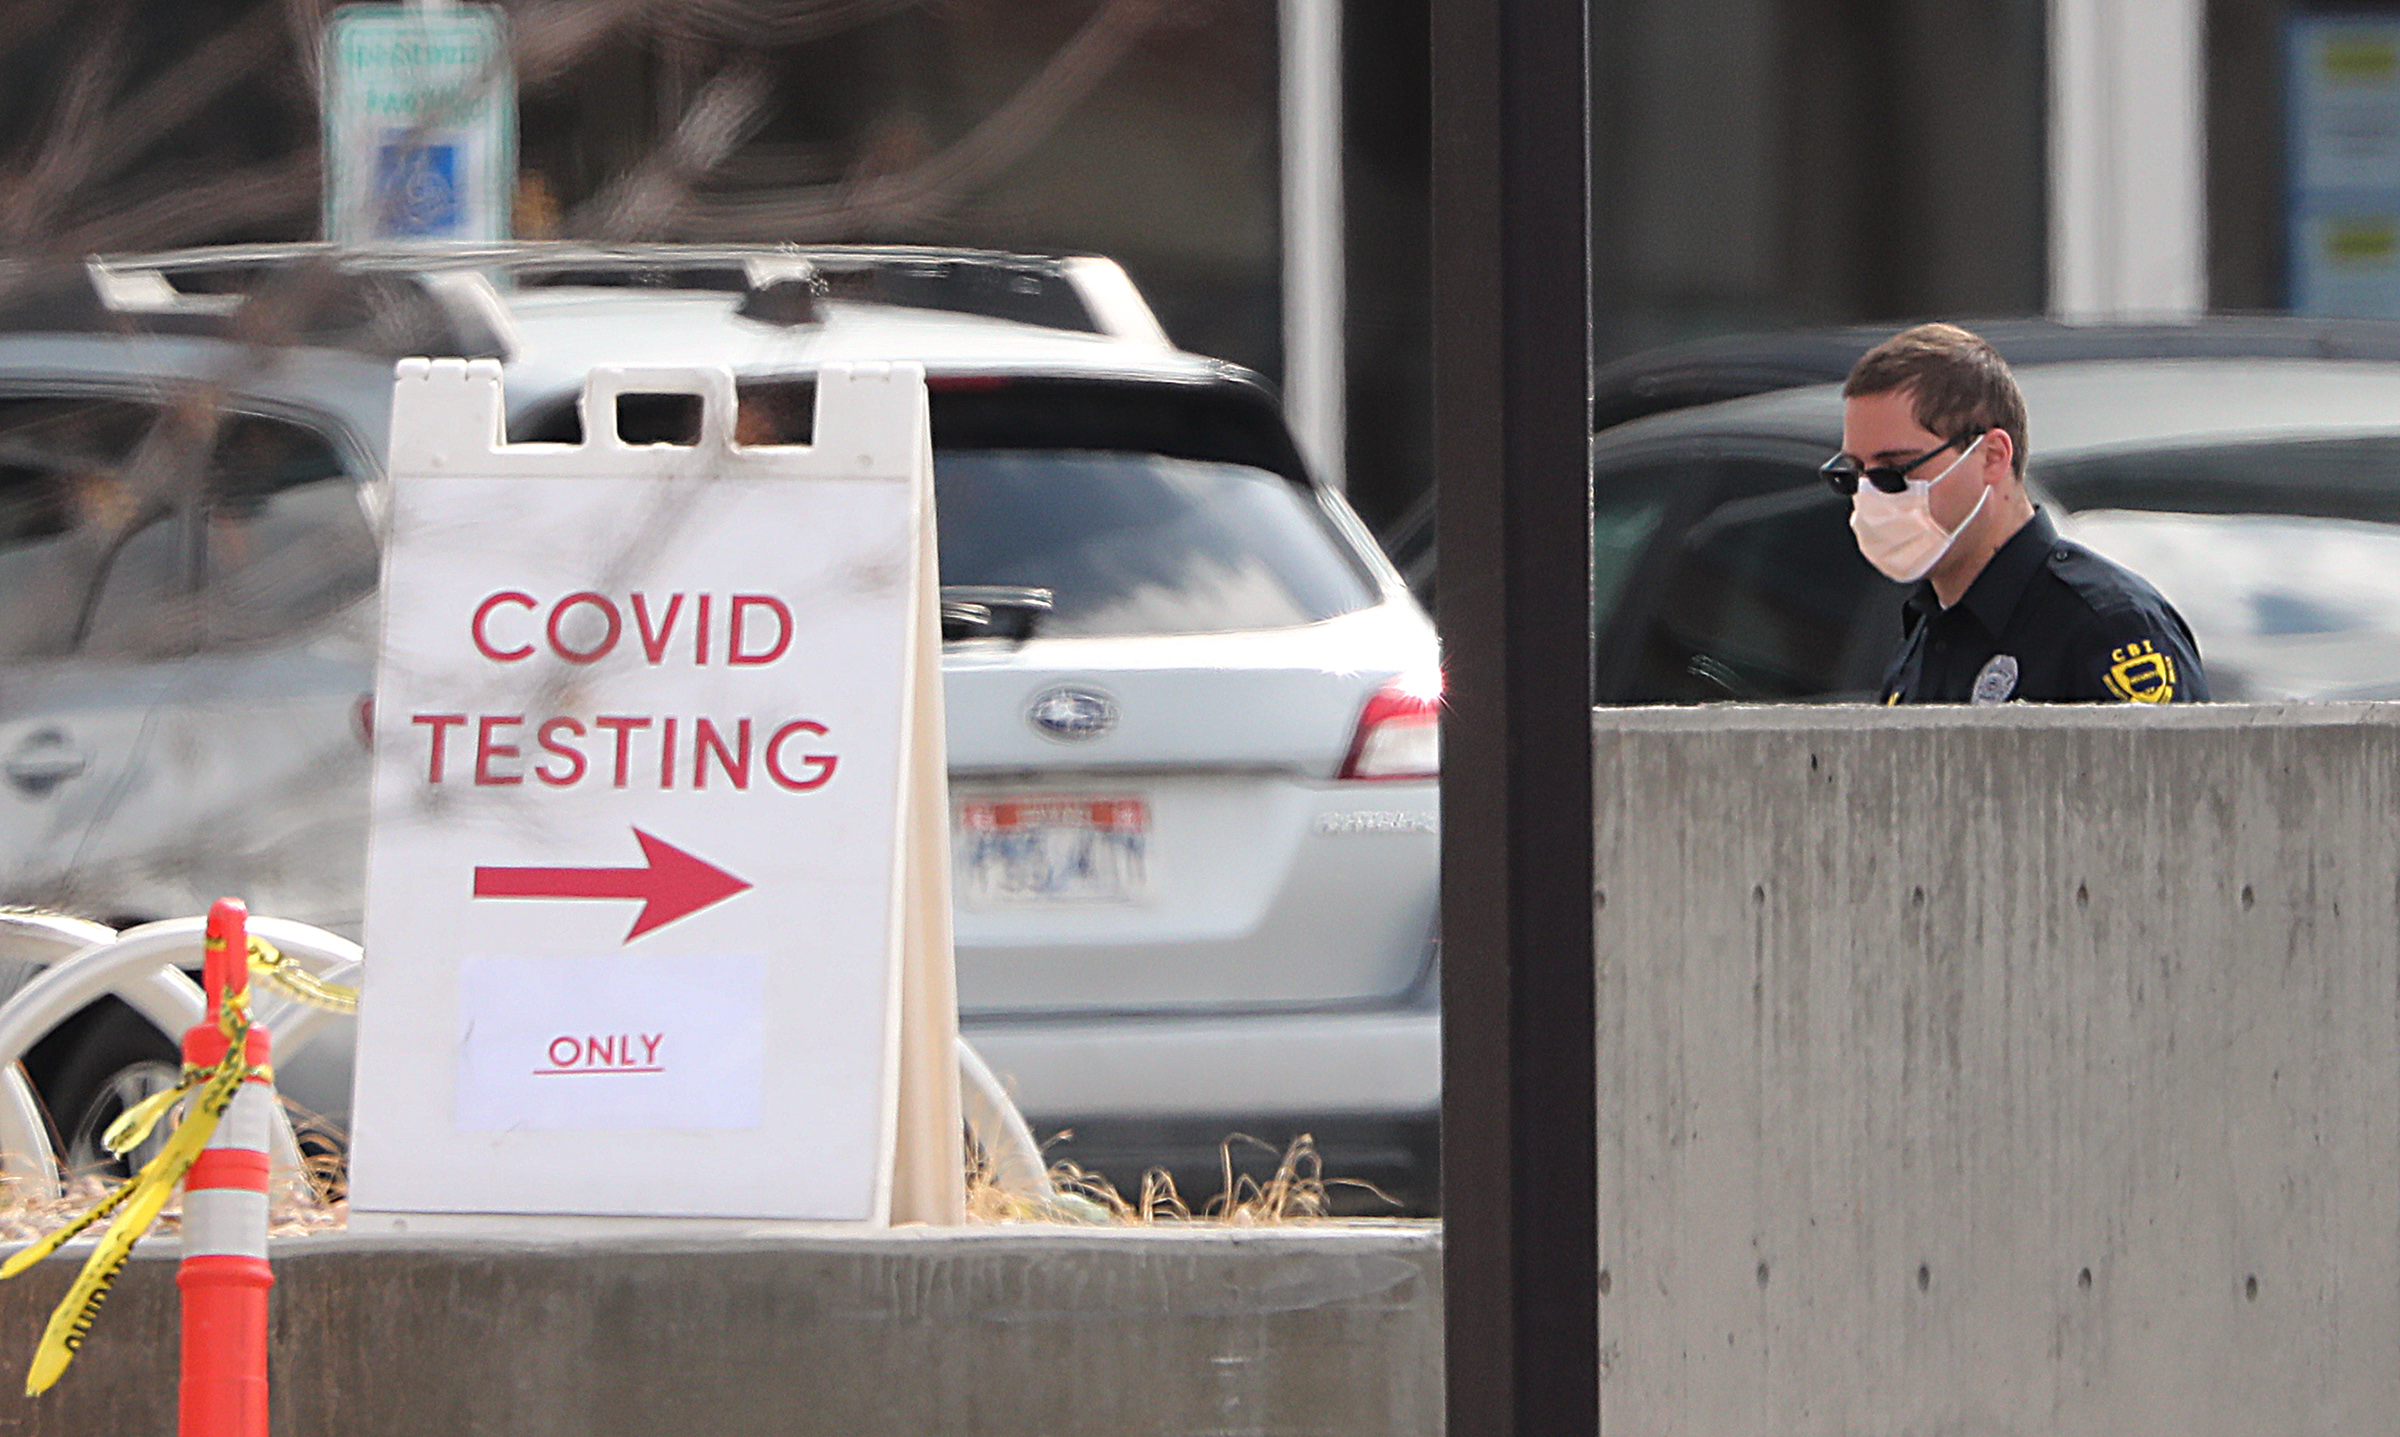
656, 901
420, 124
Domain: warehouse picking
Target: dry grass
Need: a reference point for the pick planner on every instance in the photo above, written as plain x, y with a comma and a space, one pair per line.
1297, 1191
318, 1202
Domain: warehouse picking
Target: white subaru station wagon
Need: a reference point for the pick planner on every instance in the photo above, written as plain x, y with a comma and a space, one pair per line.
1193, 713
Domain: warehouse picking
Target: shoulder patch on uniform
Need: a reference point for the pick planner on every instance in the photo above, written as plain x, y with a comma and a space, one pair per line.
2139, 673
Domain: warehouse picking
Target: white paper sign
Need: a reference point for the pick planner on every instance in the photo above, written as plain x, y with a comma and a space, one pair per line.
643, 735
599, 1044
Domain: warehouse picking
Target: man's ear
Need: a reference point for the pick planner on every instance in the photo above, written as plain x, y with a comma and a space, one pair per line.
1999, 448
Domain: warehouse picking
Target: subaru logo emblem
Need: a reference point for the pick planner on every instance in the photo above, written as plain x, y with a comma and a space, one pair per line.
1068, 712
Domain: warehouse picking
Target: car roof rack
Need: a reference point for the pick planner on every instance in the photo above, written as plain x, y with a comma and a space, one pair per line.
464, 285
256, 297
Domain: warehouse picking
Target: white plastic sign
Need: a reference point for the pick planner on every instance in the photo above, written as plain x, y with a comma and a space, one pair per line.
650, 750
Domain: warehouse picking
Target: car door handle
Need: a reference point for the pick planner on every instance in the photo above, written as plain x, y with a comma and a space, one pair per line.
44, 761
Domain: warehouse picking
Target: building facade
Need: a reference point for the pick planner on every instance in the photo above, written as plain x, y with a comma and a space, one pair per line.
1260, 166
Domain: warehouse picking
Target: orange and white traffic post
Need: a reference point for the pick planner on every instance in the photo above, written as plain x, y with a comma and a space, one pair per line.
224, 1276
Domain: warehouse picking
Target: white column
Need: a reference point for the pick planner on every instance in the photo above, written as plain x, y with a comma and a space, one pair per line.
1313, 302
2128, 182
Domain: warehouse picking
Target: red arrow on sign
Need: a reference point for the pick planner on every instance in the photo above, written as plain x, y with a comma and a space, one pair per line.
671, 883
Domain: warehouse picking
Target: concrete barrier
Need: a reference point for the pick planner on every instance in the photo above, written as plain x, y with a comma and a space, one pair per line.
2013, 1071
1002, 1330
2005, 1071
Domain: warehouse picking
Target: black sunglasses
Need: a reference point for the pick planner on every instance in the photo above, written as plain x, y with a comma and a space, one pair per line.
1844, 472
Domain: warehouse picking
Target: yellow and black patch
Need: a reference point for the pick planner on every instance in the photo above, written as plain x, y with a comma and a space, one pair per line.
2138, 673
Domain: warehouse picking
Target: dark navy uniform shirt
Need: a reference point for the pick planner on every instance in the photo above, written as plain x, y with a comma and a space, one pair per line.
2047, 619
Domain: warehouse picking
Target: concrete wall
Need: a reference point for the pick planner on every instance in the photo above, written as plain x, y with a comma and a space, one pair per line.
2003, 1071
1000, 1331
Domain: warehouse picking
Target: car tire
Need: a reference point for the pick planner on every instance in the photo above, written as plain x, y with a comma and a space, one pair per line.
118, 1060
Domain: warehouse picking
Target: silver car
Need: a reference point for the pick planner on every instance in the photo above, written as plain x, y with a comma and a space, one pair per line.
1193, 736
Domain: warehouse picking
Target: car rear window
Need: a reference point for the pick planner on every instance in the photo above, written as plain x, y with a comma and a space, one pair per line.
1134, 543
1143, 506
2283, 555
1228, 420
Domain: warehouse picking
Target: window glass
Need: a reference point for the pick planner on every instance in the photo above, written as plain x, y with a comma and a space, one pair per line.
285, 537
2283, 556
1623, 521
1134, 543
101, 552
89, 556
1762, 597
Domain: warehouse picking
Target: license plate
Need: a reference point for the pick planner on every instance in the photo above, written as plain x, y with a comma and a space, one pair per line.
1068, 848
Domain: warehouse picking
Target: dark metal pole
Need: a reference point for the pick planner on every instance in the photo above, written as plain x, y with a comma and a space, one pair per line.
1512, 426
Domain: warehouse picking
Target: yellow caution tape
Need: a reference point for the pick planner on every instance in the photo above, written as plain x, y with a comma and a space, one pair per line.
136, 1202
135, 1123
269, 966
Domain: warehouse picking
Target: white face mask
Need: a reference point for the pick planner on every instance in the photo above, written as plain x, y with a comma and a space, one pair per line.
1897, 532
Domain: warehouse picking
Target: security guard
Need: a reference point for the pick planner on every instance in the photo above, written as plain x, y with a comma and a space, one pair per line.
1933, 462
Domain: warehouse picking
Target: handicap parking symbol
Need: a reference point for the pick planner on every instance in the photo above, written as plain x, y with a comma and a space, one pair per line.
416, 187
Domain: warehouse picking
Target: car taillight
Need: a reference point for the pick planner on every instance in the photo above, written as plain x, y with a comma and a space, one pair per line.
1400, 733
363, 716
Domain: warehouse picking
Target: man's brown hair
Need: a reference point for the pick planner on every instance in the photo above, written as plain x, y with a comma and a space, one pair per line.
1956, 381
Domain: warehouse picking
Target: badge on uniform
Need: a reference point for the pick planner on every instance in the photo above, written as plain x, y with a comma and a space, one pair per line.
1996, 681
2138, 673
